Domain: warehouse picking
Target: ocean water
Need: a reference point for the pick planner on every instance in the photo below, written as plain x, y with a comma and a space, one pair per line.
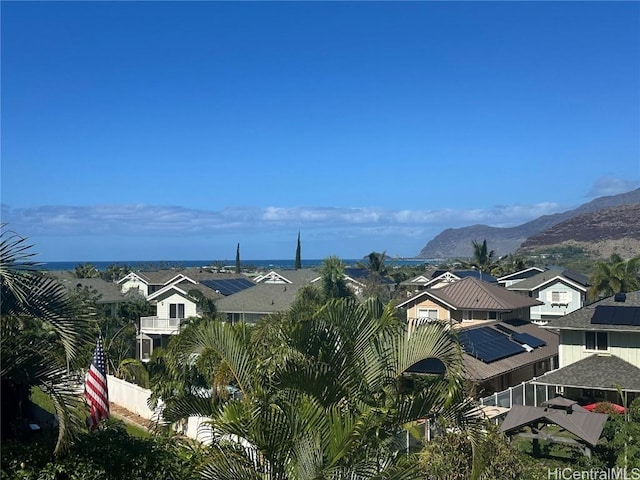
258, 264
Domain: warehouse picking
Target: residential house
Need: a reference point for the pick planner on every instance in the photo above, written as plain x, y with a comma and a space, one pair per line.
599, 351
559, 291
174, 303
508, 280
108, 293
274, 291
502, 348
442, 278
147, 283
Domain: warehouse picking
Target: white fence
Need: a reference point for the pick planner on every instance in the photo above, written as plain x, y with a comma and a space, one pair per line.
135, 399
130, 396
524, 394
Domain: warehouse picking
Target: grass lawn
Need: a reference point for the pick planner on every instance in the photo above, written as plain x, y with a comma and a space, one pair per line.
44, 401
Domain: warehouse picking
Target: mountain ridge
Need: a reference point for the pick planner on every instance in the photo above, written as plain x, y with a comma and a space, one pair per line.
457, 242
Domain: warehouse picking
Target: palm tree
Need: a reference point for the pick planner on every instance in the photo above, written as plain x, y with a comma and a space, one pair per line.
377, 270
41, 336
86, 270
614, 276
337, 400
205, 305
483, 258
332, 278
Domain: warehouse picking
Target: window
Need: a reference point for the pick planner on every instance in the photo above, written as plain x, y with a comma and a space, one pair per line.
468, 315
596, 340
176, 310
493, 315
559, 296
428, 313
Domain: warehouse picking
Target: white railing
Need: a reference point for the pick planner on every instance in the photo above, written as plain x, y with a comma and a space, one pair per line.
527, 393
168, 326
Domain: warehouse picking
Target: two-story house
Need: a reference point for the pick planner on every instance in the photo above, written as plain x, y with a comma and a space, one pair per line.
174, 303
559, 291
147, 283
502, 348
599, 351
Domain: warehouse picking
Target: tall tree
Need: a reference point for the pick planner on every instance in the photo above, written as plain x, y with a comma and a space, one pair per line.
374, 285
40, 337
483, 258
238, 267
334, 284
86, 270
614, 276
298, 264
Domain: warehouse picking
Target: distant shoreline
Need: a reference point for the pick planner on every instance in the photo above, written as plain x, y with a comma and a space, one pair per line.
177, 264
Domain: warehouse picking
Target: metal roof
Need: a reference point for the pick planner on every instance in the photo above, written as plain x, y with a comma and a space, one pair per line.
585, 425
473, 294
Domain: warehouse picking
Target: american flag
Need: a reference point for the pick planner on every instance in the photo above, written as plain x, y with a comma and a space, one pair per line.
95, 388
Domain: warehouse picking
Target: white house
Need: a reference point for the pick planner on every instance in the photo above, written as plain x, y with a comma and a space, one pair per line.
560, 291
148, 283
174, 303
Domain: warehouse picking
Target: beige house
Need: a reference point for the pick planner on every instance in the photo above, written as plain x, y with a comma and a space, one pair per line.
502, 348
599, 351
466, 302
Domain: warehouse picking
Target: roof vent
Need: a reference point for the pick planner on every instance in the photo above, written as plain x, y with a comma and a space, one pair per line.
619, 297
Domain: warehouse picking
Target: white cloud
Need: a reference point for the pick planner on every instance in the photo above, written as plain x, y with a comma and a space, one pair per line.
142, 220
604, 186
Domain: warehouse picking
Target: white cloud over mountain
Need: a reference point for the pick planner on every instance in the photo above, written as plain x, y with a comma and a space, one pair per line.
56, 220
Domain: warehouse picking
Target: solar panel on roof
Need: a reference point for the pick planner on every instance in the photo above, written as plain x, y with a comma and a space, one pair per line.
530, 340
488, 345
504, 329
228, 286
616, 315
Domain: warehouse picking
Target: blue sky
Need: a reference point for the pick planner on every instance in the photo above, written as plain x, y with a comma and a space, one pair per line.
162, 130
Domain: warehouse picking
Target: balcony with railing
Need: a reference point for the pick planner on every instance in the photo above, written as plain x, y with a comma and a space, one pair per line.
163, 326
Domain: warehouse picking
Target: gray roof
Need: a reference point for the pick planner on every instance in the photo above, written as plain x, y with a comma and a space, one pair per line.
521, 274
539, 280
262, 298
206, 291
603, 372
472, 294
479, 371
581, 319
585, 425
109, 292
186, 286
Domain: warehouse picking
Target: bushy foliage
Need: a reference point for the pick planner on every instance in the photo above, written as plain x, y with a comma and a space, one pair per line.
449, 457
107, 453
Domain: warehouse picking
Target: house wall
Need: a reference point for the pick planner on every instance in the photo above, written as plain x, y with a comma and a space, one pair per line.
163, 306
413, 312
133, 284
625, 345
575, 300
